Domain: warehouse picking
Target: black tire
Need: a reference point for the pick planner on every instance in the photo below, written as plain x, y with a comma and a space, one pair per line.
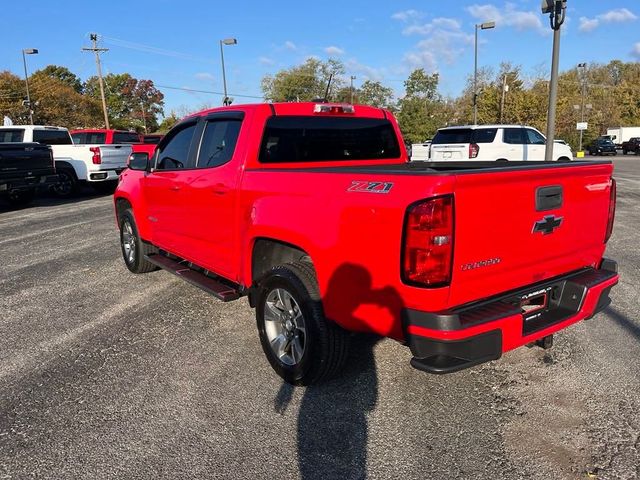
20, 198
564, 159
67, 185
624, 152
614, 153
502, 160
135, 262
325, 344
106, 188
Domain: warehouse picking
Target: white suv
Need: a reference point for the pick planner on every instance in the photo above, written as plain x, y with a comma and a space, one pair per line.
494, 142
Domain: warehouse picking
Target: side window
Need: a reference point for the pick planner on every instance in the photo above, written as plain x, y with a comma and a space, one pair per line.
513, 136
484, 135
218, 142
174, 154
534, 138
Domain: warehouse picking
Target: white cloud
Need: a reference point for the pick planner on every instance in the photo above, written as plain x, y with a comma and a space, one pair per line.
289, 45
636, 51
588, 24
364, 72
508, 16
445, 40
334, 50
205, 76
266, 61
618, 15
407, 15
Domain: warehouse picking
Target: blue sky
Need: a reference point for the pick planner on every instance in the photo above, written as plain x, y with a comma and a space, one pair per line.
375, 39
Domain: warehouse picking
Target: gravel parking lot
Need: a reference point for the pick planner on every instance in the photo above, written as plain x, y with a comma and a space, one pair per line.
105, 374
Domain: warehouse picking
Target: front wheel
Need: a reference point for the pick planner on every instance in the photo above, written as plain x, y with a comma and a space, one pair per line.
302, 346
132, 246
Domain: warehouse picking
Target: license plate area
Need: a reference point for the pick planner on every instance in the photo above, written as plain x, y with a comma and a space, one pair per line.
534, 302
549, 305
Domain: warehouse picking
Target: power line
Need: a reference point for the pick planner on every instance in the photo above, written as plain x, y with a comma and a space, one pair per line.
149, 49
207, 91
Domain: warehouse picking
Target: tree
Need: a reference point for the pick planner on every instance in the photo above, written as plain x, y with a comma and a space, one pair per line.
420, 111
131, 103
304, 82
168, 122
63, 74
12, 94
375, 94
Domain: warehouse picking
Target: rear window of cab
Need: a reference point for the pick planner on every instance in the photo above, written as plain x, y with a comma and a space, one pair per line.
319, 139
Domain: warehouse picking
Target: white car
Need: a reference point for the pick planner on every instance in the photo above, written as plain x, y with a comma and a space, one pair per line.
98, 165
494, 142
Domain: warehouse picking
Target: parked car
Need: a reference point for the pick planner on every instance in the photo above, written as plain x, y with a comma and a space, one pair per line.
96, 165
494, 142
152, 138
633, 145
104, 136
602, 146
313, 212
24, 167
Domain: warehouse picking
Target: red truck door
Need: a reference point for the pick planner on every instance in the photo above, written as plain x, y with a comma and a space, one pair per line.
164, 186
211, 194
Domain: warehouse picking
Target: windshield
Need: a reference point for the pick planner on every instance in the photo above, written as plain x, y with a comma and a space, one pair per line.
317, 139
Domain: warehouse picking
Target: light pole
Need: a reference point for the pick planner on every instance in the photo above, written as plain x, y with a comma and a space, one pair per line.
583, 81
481, 26
557, 10
25, 52
226, 41
352, 79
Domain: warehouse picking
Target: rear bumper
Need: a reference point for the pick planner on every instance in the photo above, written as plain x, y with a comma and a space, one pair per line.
27, 183
106, 175
446, 342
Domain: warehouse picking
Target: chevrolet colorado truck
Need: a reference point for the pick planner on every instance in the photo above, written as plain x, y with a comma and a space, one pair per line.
95, 165
314, 213
24, 167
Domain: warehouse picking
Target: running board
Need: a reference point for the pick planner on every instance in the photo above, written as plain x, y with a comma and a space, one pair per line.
218, 289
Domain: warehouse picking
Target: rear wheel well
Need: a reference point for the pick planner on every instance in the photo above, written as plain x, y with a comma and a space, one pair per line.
62, 165
564, 159
268, 253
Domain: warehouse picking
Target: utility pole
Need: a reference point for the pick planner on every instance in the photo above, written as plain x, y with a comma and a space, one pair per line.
144, 117
557, 10
96, 50
352, 79
505, 87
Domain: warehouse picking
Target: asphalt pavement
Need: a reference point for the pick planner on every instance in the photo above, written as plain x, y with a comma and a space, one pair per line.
106, 374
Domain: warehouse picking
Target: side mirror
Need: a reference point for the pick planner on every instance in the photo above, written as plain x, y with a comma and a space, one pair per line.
139, 161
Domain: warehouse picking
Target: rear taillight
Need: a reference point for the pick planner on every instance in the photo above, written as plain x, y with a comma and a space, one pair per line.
474, 149
428, 243
96, 158
612, 211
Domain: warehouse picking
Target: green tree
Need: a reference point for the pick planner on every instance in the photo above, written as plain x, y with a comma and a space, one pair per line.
375, 94
304, 82
420, 111
63, 74
130, 102
168, 122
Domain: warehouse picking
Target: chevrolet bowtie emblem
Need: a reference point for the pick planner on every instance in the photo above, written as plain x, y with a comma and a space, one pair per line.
547, 225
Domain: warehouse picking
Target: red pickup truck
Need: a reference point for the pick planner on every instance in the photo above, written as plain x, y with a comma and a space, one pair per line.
314, 213
103, 136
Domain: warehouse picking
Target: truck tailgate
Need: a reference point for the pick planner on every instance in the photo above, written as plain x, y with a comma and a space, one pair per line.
521, 226
115, 156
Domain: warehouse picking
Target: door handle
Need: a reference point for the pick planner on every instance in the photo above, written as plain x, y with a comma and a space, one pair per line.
220, 189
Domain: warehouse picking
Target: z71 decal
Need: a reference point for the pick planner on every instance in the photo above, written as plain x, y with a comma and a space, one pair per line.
370, 187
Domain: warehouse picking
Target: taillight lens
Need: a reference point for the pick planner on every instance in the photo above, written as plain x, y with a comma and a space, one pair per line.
96, 158
474, 149
612, 211
428, 243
